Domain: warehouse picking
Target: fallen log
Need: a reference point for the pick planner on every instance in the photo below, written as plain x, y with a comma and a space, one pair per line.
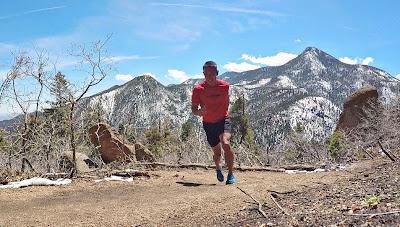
259, 168
168, 165
305, 167
129, 173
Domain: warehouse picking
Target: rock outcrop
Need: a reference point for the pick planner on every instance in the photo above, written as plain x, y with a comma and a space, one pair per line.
114, 147
356, 105
82, 161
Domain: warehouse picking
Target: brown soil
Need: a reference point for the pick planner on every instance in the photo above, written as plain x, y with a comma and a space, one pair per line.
315, 199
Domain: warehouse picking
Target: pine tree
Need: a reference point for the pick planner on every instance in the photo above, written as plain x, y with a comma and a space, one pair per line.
57, 115
161, 140
334, 145
187, 128
241, 132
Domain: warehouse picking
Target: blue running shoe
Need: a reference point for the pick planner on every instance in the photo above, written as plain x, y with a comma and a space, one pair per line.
230, 179
220, 175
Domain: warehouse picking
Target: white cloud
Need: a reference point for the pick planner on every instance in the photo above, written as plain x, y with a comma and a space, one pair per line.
398, 76
356, 60
234, 67
367, 60
180, 76
129, 77
297, 41
122, 77
149, 74
174, 74
279, 59
348, 60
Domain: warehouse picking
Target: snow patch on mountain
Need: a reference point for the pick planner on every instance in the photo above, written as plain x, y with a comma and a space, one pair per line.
387, 96
244, 82
105, 101
325, 85
382, 73
295, 72
254, 84
285, 82
315, 64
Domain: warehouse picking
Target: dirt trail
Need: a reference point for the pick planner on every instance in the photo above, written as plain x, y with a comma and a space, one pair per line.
160, 201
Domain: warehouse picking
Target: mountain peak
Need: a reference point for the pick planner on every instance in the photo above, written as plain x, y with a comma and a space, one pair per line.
312, 50
147, 79
313, 54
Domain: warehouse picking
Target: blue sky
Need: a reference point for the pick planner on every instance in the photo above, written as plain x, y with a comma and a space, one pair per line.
172, 39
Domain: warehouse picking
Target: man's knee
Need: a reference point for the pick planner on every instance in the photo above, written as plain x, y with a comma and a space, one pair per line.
225, 139
225, 144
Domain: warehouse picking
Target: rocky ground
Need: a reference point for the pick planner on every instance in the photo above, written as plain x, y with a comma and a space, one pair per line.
367, 193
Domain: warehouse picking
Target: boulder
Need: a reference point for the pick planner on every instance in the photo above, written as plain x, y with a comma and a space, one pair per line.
356, 104
143, 154
114, 147
82, 161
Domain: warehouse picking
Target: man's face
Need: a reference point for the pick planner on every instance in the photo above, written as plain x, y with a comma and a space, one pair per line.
210, 75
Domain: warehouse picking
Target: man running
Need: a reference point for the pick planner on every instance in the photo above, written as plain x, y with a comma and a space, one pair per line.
210, 100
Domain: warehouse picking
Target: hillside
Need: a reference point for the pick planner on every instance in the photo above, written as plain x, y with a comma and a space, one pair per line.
309, 90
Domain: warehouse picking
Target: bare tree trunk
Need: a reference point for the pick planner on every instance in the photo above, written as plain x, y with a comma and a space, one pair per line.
72, 141
23, 143
26, 162
9, 158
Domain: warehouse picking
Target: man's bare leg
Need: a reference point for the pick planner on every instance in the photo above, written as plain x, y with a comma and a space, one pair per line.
229, 157
217, 155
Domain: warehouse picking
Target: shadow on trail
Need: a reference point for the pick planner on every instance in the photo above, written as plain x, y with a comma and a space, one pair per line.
193, 184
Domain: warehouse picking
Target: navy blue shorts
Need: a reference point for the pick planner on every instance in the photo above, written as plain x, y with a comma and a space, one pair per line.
214, 130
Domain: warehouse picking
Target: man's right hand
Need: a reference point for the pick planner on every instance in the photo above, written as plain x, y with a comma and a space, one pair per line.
201, 112
198, 112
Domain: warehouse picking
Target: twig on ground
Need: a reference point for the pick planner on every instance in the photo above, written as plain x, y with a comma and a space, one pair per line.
287, 192
376, 214
279, 206
259, 204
